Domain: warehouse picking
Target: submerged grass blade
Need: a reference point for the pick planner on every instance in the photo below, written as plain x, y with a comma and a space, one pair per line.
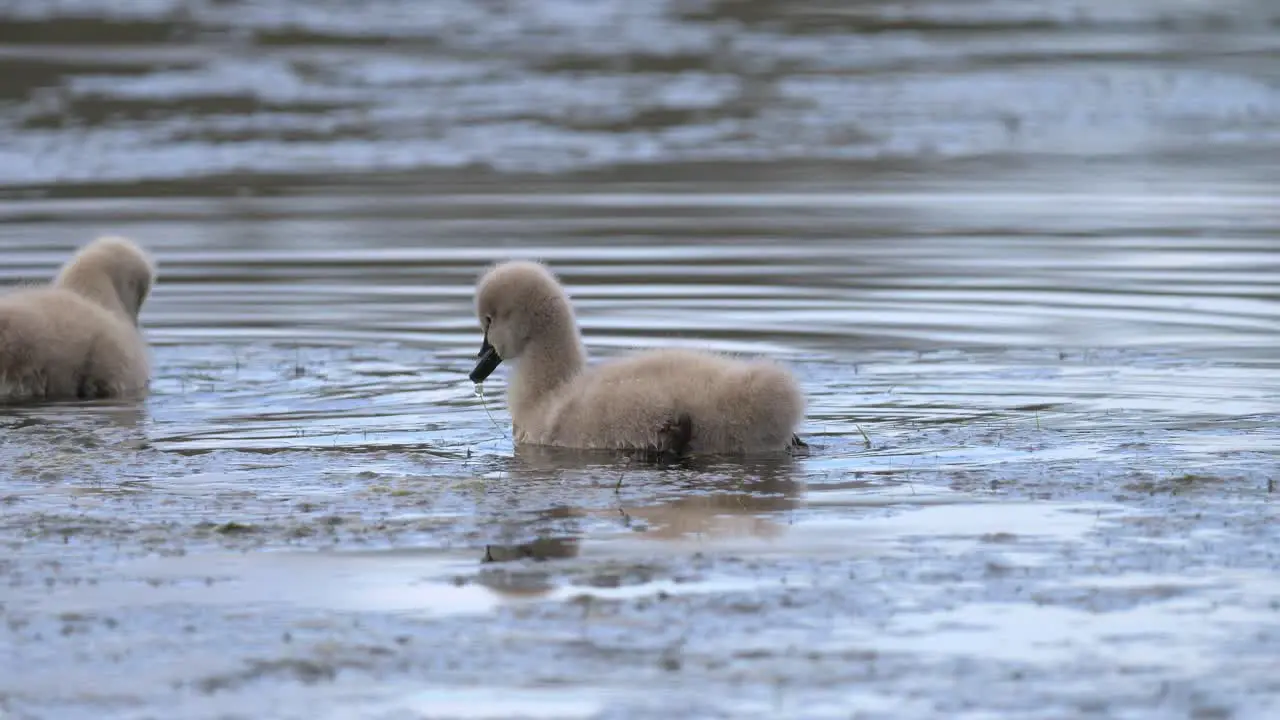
480, 394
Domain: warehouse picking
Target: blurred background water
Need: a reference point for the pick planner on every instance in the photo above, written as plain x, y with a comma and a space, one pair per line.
1022, 254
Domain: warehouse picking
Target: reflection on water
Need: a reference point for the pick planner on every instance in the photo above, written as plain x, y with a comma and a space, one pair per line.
1022, 256
863, 269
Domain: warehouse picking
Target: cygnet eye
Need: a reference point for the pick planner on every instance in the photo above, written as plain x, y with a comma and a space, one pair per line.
488, 320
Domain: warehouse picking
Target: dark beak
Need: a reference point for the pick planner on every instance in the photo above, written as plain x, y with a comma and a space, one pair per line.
488, 362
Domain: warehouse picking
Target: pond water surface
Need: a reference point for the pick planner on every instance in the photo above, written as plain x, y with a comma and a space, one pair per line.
1023, 256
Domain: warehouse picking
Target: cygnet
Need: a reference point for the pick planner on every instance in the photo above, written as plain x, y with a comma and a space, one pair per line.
78, 337
669, 402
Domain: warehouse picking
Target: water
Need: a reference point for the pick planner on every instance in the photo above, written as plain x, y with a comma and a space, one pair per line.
1022, 257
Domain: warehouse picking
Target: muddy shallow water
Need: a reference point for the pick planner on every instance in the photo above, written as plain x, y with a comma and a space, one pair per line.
1022, 256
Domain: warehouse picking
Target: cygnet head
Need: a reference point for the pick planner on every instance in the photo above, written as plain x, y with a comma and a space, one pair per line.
520, 305
112, 272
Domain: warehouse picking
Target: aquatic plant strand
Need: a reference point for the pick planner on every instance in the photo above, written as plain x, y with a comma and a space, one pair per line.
480, 394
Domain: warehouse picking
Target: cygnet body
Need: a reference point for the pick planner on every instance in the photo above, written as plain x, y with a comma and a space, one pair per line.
672, 402
78, 337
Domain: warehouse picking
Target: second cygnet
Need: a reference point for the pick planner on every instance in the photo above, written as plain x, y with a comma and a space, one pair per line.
78, 338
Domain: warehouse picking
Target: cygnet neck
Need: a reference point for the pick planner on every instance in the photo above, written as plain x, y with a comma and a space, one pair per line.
95, 286
551, 359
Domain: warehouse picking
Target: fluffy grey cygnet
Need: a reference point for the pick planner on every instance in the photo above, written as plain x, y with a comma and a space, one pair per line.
78, 337
672, 402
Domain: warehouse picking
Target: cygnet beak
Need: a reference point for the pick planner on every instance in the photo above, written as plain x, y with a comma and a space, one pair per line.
488, 362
